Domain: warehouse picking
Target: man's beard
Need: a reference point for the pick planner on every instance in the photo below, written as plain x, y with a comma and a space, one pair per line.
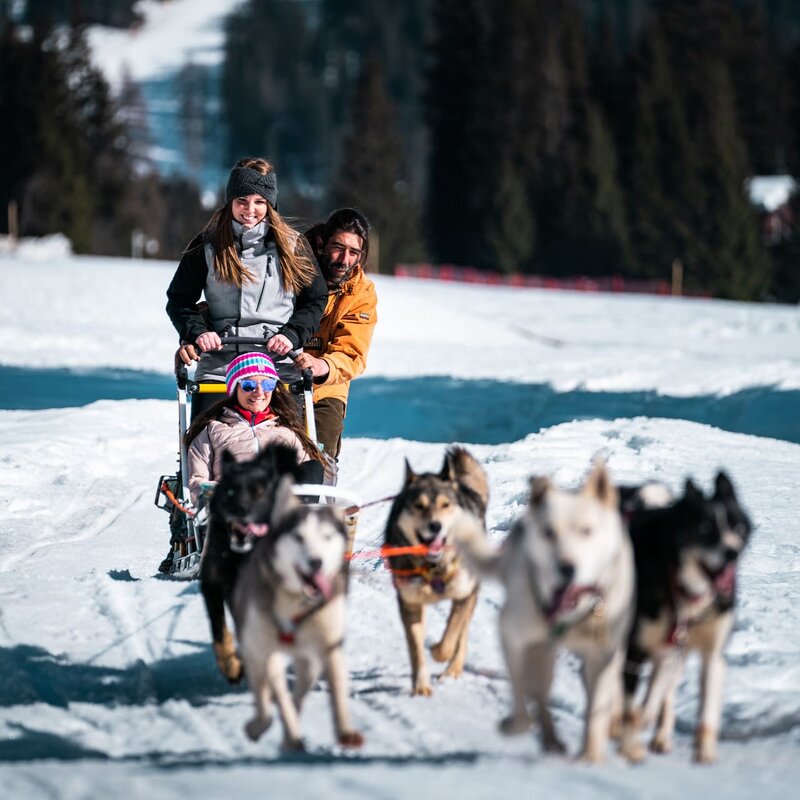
335, 274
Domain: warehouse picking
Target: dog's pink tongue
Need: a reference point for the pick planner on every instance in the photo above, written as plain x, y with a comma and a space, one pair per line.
322, 585
437, 545
725, 582
256, 528
566, 600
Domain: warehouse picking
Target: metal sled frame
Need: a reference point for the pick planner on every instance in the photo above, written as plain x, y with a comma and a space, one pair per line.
187, 523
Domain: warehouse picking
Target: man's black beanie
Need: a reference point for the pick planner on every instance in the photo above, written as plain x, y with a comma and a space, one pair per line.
244, 181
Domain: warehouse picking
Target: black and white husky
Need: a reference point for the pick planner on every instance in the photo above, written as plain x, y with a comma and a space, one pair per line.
567, 568
686, 554
240, 510
289, 601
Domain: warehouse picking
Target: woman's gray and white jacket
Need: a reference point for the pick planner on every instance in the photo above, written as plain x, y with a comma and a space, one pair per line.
259, 308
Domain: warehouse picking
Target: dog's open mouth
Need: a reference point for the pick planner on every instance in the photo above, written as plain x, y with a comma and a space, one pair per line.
724, 580
315, 584
436, 546
242, 535
566, 600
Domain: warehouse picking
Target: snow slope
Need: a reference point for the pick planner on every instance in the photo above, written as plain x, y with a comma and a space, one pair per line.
107, 681
172, 34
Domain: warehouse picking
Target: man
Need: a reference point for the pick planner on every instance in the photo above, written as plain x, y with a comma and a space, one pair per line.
337, 352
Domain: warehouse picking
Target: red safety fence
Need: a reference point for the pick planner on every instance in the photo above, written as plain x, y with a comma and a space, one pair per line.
581, 283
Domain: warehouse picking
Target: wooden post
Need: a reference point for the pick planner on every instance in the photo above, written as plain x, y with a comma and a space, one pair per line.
677, 277
374, 260
13, 221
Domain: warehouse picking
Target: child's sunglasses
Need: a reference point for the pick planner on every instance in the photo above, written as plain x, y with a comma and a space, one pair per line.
267, 385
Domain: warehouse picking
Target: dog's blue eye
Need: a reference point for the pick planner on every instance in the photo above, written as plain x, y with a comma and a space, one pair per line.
549, 533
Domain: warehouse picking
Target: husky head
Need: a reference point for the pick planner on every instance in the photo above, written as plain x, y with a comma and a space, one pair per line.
429, 505
712, 533
572, 540
244, 497
306, 547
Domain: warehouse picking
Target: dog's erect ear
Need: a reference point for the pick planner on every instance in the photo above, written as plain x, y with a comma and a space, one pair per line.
540, 486
285, 459
465, 470
449, 471
227, 460
410, 476
723, 488
599, 484
691, 492
284, 502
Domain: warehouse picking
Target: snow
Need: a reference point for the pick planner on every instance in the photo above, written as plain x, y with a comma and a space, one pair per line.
36, 248
173, 33
770, 192
107, 681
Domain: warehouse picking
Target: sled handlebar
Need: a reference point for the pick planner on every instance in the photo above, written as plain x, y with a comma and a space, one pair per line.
255, 340
227, 339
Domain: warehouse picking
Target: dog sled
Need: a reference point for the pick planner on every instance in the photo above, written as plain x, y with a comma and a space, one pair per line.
187, 523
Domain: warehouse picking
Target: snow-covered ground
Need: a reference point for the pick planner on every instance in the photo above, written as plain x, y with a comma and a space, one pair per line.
107, 681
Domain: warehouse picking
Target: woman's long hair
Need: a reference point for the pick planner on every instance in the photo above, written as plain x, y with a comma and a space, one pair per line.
298, 266
283, 406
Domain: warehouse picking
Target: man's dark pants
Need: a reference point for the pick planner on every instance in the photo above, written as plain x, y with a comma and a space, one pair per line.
329, 414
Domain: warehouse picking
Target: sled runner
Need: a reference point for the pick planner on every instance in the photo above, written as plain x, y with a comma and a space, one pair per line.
187, 523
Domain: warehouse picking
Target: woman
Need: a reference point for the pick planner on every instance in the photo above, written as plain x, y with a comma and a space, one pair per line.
258, 412
256, 272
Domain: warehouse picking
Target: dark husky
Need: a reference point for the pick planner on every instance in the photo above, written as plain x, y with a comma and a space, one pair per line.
686, 556
290, 600
427, 512
239, 514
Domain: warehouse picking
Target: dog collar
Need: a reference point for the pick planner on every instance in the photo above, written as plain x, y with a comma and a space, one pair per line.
287, 628
437, 582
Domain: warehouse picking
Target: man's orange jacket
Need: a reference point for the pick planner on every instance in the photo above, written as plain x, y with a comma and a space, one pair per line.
344, 335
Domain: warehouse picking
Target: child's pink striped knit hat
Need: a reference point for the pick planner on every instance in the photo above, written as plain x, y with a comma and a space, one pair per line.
249, 365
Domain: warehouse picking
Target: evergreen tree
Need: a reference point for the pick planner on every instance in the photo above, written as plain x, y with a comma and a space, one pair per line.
70, 170
512, 157
736, 266
460, 130
665, 197
581, 213
510, 221
48, 175
761, 92
116, 13
350, 32
370, 175
268, 101
608, 230
791, 151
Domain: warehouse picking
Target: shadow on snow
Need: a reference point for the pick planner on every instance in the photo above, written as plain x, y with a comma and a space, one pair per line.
31, 674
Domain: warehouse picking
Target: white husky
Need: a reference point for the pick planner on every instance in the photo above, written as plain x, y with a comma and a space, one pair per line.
289, 601
567, 567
